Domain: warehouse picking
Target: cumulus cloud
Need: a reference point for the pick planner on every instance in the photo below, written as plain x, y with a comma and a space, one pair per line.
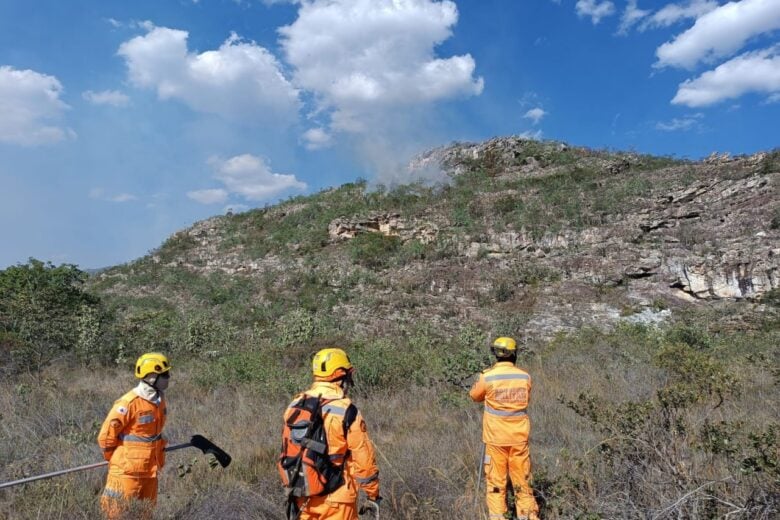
210, 196
595, 10
251, 177
757, 71
241, 80
535, 115
720, 33
29, 103
673, 13
107, 97
361, 58
317, 139
679, 124
631, 15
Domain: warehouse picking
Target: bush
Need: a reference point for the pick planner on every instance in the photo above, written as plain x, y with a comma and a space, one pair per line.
44, 307
665, 456
373, 250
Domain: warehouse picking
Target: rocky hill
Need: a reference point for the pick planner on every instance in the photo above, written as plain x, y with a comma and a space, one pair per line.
580, 253
537, 237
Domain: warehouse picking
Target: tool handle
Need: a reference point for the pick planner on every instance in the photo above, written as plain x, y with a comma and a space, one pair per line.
480, 469
53, 474
178, 446
78, 468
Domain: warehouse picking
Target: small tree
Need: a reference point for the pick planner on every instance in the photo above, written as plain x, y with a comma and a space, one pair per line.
43, 307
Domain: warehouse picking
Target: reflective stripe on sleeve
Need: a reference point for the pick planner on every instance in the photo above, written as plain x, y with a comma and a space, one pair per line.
366, 480
505, 413
138, 438
503, 377
335, 410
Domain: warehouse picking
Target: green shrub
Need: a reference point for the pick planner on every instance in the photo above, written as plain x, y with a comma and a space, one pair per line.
42, 306
775, 222
374, 250
772, 297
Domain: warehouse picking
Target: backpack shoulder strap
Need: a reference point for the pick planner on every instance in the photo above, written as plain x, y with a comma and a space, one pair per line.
350, 415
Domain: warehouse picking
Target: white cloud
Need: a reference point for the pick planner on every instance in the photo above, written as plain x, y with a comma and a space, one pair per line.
595, 10
673, 13
720, 32
100, 194
211, 196
774, 98
116, 24
679, 124
107, 97
29, 103
631, 16
363, 58
240, 80
757, 71
251, 177
317, 139
535, 115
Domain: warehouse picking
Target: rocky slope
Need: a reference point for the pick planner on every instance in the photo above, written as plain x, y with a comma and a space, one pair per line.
536, 236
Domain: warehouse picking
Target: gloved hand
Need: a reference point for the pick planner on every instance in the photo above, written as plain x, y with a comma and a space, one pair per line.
212, 460
372, 505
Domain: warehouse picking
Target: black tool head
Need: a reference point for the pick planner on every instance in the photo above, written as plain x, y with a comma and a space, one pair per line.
206, 446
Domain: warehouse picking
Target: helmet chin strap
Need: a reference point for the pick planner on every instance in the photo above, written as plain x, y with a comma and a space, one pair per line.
347, 382
153, 383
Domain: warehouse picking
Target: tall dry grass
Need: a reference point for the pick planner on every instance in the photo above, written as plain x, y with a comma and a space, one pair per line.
427, 439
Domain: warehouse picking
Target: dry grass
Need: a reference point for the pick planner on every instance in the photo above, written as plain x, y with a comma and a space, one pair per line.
427, 439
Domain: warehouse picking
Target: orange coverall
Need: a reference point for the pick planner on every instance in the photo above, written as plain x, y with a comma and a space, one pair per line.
506, 391
132, 443
360, 470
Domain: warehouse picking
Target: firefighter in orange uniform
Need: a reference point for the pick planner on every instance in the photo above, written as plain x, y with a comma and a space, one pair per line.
347, 440
506, 391
132, 442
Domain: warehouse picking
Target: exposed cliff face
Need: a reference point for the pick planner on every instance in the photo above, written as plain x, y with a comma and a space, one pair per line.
560, 236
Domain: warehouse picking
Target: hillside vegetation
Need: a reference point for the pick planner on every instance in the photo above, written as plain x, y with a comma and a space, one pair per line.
644, 290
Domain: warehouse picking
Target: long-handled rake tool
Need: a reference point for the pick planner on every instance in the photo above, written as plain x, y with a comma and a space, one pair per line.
197, 441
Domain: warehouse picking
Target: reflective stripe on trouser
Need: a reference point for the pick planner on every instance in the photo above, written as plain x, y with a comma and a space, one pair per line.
515, 462
122, 497
320, 508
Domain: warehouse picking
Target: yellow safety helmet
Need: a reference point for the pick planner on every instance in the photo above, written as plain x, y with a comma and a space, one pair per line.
505, 343
151, 363
504, 347
328, 362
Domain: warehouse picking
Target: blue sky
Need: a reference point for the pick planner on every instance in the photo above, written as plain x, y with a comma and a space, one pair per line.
122, 122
